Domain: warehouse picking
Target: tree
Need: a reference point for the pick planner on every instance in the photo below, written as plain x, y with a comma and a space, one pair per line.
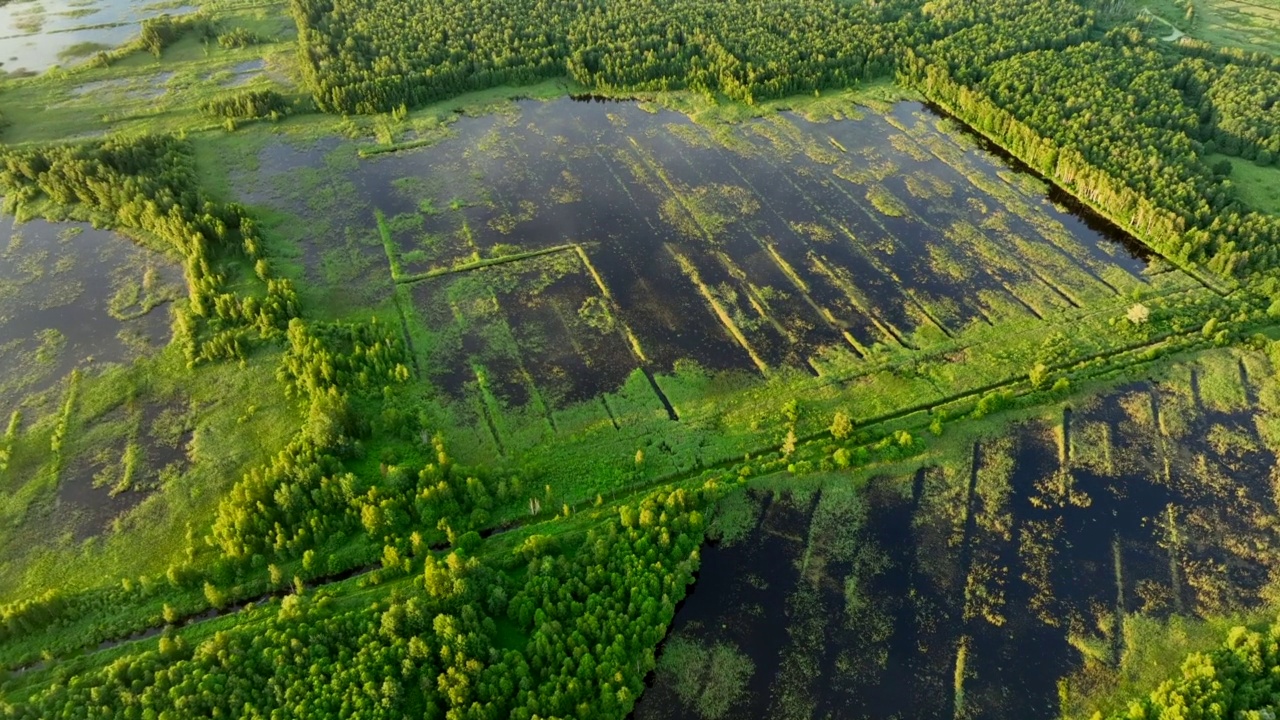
789, 444
1138, 314
1038, 375
216, 597
841, 426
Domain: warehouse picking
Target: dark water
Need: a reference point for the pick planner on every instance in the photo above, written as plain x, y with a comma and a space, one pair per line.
58, 285
1061, 205
92, 489
750, 248
1018, 558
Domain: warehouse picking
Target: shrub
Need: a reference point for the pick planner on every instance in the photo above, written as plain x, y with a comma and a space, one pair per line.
247, 104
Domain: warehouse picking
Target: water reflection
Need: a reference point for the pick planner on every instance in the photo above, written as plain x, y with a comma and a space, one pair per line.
36, 34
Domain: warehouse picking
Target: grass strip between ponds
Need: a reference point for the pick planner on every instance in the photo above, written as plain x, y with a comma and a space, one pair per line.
368, 152
484, 263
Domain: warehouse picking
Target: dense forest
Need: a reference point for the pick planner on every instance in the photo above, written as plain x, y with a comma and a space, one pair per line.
375, 56
440, 647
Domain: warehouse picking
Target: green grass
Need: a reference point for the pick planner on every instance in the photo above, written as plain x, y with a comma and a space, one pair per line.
1246, 24
46, 108
81, 50
1153, 650
1258, 187
1250, 25
232, 433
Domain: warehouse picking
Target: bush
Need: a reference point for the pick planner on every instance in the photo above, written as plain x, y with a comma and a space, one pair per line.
238, 38
247, 105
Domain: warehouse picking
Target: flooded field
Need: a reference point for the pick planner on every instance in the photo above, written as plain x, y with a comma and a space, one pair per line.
143, 446
74, 302
557, 263
72, 296
917, 596
38, 34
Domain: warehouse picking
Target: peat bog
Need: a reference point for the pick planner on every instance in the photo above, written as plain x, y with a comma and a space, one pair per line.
918, 595
653, 244
70, 296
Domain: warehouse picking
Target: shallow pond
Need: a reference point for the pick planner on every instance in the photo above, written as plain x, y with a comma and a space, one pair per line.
547, 252
38, 34
969, 590
72, 296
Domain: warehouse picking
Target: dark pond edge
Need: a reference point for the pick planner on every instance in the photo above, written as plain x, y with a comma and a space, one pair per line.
1094, 218
598, 98
651, 677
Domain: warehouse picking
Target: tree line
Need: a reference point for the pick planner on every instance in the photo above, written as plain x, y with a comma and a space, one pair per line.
1124, 121
1125, 124
552, 631
368, 56
148, 183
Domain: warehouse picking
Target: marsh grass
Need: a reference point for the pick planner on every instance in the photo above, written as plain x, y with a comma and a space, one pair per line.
709, 680
225, 441
734, 518
82, 49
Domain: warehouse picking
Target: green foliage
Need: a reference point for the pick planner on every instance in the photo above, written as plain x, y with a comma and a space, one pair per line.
734, 517
710, 680
160, 32
841, 426
1172, 113
64, 419
595, 313
10, 436
1038, 376
1239, 679
148, 183
247, 104
305, 494
747, 51
432, 648
238, 37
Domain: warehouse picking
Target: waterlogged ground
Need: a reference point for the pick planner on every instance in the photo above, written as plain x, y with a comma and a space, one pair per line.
72, 296
557, 263
38, 34
919, 595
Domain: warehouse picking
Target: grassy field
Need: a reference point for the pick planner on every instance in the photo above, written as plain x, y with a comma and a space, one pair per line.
1257, 186
142, 92
70, 519
1246, 24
